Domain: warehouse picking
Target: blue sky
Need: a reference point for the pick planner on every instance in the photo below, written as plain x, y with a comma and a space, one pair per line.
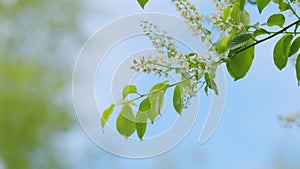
249, 135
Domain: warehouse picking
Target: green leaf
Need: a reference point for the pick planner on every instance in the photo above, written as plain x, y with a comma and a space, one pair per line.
178, 99
152, 112
259, 32
129, 89
142, 118
211, 84
236, 12
261, 4
125, 121
245, 18
298, 69
295, 46
106, 114
143, 3
156, 101
156, 98
186, 82
238, 65
214, 87
145, 105
221, 46
281, 51
227, 11
239, 41
159, 86
276, 20
242, 4
284, 6
141, 123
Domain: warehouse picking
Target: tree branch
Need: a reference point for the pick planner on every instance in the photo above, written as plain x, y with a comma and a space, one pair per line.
260, 41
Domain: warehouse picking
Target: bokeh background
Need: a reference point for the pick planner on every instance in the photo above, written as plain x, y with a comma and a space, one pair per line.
39, 43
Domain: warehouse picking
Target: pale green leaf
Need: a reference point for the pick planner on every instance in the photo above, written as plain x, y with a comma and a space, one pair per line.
238, 65
186, 82
156, 101
276, 20
153, 112
126, 121
261, 4
143, 3
211, 84
245, 18
106, 114
178, 99
239, 41
281, 51
129, 89
227, 11
221, 46
295, 46
236, 12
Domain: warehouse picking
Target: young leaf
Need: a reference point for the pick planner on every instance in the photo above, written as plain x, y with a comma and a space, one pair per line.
227, 13
222, 44
125, 121
298, 69
152, 112
245, 18
156, 101
143, 3
210, 83
295, 46
214, 87
239, 41
128, 90
261, 4
281, 51
178, 99
276, 20
236, 12
156, 98
106, 114
238, 65
186, 82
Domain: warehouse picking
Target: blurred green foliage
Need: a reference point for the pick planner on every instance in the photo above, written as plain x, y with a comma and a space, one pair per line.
30, 113
38, 42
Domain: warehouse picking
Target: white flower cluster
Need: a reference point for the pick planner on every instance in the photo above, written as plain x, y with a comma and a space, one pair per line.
193, 19
168, 56
226, 25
